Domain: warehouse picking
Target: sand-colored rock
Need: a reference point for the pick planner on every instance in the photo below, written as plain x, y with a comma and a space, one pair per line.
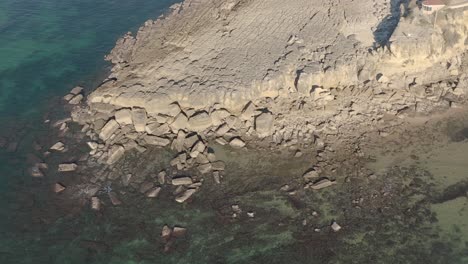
115, 154
124, 116
108, 129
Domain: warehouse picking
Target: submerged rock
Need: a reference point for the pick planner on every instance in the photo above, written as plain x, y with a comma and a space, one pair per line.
95, 203
58, 187
67, 167
185, 195
237, 143
182, 181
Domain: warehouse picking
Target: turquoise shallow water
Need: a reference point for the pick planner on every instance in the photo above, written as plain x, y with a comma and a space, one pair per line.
46, 48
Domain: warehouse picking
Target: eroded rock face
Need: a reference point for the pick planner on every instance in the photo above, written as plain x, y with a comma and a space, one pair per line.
219, 70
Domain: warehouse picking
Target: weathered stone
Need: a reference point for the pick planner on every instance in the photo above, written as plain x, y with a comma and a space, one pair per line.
222, 130
36, 172
162, 177
160, 130
109, 129
237, 143
179, 231
248, 112
157, 141
114, 199
178, 142
92, 145
335, 226
180, 122
322, 184
59, 146
68, 97
217, 177
115, 154
153, 193
221, 141
76, 100
66, 167
189, 142
166, 233
310, 175
139, 119
205, 168
95, 203
182, 181
211, 157
185, 196
146, 186
202, 159
124, 117
218, 166
200, 121
264, 124
76, 90
58, 187
218, 115
234, 122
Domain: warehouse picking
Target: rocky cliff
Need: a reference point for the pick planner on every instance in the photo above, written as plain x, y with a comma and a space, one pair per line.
297, 73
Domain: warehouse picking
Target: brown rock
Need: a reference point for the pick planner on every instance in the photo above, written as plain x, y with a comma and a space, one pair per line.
114, 199
58, 187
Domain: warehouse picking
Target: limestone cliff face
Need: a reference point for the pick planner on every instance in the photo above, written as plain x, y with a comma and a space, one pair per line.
233, 51
292, 73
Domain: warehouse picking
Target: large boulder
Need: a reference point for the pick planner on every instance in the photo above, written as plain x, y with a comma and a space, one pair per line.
200, 121
264, 124
180, 122
109, 129
124, 117
115, 153
139, 119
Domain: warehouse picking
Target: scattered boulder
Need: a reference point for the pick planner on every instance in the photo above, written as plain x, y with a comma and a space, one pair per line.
153, 193
335, 226
109, 128
200, 121
36, 172
179, 231
185, 195
237, 143
66, 167
162, 177
76, 90
139, 119
180, 122
95, 203
76, 99
264, 124
157, 141
114, 199
222, 130
323, 183
182, 181
217, 177
124, 117
218, 165
166, 233
115, 154
310, 175
205, 168
58, 187
145, 187
59, 146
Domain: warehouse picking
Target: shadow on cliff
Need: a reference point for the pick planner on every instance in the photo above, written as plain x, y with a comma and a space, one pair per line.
385, 29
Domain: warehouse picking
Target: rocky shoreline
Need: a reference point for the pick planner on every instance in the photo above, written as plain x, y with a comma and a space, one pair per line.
134, 137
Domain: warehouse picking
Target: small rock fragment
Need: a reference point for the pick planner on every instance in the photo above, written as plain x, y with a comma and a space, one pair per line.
185, 196
335, 226
166, 233
179, 231
322, 184
59, 146
182, 181
237, 143
153, 193
58, 187
95, 203
66, 167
